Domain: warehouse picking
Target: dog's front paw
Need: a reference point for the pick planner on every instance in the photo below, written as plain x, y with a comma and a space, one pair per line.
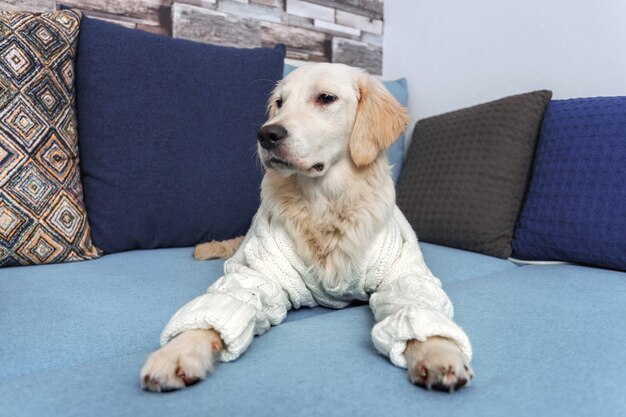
185, 360
437, 364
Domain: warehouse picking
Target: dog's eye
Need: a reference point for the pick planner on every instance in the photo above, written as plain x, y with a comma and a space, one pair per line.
326, 98
279, 103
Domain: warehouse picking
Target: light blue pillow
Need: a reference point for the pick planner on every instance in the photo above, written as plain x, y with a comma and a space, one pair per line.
395, 153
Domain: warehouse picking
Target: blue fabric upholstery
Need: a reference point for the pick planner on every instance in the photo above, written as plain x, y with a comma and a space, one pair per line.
451, 265
167, 134
398, 88
120, 303
94, 310
547, 341
576, 205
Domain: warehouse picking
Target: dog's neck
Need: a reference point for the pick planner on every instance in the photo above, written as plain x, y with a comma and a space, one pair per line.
334, 217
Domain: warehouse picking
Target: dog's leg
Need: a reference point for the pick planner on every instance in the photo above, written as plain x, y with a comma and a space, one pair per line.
437, 364
215, 249
185, 360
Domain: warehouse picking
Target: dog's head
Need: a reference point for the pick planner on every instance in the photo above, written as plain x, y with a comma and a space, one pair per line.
322, 113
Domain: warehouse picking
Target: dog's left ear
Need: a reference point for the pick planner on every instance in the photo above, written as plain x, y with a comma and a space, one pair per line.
379, 121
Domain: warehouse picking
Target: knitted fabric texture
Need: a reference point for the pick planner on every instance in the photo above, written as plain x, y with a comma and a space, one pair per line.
266, 277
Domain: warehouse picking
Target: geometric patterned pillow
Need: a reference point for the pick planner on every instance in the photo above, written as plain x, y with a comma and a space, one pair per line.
42, 214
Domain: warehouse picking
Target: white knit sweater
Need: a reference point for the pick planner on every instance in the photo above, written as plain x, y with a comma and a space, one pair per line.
265, 278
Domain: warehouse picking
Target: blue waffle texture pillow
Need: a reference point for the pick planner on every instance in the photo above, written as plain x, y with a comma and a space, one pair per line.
575, 209
167, 131
398, 88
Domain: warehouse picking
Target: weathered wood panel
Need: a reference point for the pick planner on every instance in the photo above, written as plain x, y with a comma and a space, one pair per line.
28, 5
302, 44
297, 21
121, 20
207, 4
100, 16
358, 54
255, 11
310, 10
372, 39
198, 24
347, 31
364, 23
273, 3
273, 33
370, 8
336, 29
147, 12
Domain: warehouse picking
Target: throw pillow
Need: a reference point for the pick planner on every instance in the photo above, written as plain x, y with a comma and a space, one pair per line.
466, 172
42, 215
576, 205
395, 153
168, 136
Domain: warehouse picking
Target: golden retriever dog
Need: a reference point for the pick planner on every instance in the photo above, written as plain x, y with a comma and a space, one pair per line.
327, 232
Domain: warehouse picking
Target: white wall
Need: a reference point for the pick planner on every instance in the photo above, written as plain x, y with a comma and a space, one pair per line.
456, 53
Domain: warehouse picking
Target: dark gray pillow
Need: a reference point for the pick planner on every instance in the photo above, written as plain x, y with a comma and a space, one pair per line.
466, 172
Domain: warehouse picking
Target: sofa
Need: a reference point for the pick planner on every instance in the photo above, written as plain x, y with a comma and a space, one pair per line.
548, 337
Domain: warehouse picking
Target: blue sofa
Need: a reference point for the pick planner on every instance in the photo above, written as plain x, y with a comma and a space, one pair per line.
548, 340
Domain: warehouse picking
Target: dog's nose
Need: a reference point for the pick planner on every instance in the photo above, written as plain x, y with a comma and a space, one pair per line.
270, 135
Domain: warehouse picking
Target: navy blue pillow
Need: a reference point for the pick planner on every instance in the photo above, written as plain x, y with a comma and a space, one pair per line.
167, 133
576, 205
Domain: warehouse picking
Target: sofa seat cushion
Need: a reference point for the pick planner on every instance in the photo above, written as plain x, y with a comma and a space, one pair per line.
96, 310
547, 341
120, 303
451, 265
93, 310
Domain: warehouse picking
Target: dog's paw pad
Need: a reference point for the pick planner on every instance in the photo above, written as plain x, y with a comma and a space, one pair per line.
440, 378
161, 383
439, 365
447, 379
187, 379
184, 361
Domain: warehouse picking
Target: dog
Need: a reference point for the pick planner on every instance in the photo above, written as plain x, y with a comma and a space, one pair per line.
327, 232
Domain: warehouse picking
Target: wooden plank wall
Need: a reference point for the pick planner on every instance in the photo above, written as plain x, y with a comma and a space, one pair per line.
346, 31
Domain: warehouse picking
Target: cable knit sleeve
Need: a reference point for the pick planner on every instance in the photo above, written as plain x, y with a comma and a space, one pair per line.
256, 291
409, 302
